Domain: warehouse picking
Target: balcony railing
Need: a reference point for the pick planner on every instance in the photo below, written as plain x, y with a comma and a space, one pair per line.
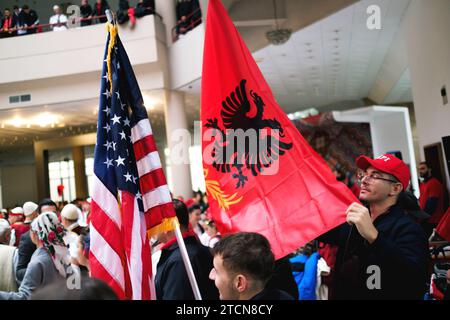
71, 23
181, 28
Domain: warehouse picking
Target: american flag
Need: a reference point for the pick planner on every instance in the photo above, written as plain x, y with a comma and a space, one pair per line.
131, 199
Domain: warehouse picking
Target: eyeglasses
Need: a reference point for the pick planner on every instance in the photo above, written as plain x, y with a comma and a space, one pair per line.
372, 177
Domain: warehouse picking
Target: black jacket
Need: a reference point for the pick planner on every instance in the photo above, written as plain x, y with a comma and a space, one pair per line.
400, 251
172, 282
85, 12
103, 7
29, 19
272, 295
283, 279
26, 250
184, 8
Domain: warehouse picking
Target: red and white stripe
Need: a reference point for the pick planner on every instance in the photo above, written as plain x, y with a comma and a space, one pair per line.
153, 185
120, 248
107, 256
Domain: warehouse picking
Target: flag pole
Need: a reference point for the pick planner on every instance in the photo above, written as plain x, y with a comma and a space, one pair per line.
187, 262
110, 16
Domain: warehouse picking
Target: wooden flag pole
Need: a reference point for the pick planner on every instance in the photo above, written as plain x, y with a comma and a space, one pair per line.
187, 262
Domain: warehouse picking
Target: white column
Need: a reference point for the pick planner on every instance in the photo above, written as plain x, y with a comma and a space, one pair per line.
179, 141
204, 8
167, 9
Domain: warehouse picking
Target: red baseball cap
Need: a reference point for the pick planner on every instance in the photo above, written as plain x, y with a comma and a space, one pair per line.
387, 163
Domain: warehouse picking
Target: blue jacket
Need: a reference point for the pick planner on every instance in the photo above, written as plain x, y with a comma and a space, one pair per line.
307, 279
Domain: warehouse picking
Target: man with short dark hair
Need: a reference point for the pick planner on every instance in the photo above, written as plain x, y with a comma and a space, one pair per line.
195, 212
47, 205
30, 18
431, 197
382, 253
243, 265
171, 280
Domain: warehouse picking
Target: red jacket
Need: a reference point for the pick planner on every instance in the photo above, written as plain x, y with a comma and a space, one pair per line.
20, 229
432, 188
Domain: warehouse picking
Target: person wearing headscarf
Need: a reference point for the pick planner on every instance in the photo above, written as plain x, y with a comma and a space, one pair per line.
50, 261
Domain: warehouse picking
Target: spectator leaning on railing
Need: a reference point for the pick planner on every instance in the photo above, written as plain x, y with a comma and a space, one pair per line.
30, 19
100, 8
145, 8
20, 24
86, 12
8, 25
58, 21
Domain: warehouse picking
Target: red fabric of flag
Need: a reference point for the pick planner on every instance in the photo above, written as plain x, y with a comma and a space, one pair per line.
286, 191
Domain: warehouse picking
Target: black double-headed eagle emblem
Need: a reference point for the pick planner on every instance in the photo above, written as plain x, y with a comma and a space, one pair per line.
253, 142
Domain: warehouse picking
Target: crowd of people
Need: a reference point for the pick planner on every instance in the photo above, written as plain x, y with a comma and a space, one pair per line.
43, 244
23, 20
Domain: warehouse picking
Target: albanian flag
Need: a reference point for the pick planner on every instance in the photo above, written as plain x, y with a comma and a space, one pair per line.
260, 173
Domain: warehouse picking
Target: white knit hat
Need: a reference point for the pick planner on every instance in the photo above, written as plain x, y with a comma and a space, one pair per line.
29, 207
17, 211
70, 212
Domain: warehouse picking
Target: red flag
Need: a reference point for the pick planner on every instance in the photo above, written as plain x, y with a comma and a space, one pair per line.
283, 190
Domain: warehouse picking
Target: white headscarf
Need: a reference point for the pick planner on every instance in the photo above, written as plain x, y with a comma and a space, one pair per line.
50, 233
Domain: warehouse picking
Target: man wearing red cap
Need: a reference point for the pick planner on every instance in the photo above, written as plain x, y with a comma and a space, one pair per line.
382, 253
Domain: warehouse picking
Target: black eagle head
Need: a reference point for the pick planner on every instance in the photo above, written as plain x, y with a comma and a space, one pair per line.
274, 124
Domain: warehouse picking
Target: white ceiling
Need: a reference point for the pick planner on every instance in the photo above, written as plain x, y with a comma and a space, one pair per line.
335, 59
333, 63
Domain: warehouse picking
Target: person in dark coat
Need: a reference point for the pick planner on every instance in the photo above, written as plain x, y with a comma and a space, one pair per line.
283, 279
196, 17
122, 13
100, 8
243, 265
183, 10
85, 13
145, 8
30, 19
383, 253
171, 280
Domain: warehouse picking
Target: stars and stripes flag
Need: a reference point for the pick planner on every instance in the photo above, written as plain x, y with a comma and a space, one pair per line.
131, 200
